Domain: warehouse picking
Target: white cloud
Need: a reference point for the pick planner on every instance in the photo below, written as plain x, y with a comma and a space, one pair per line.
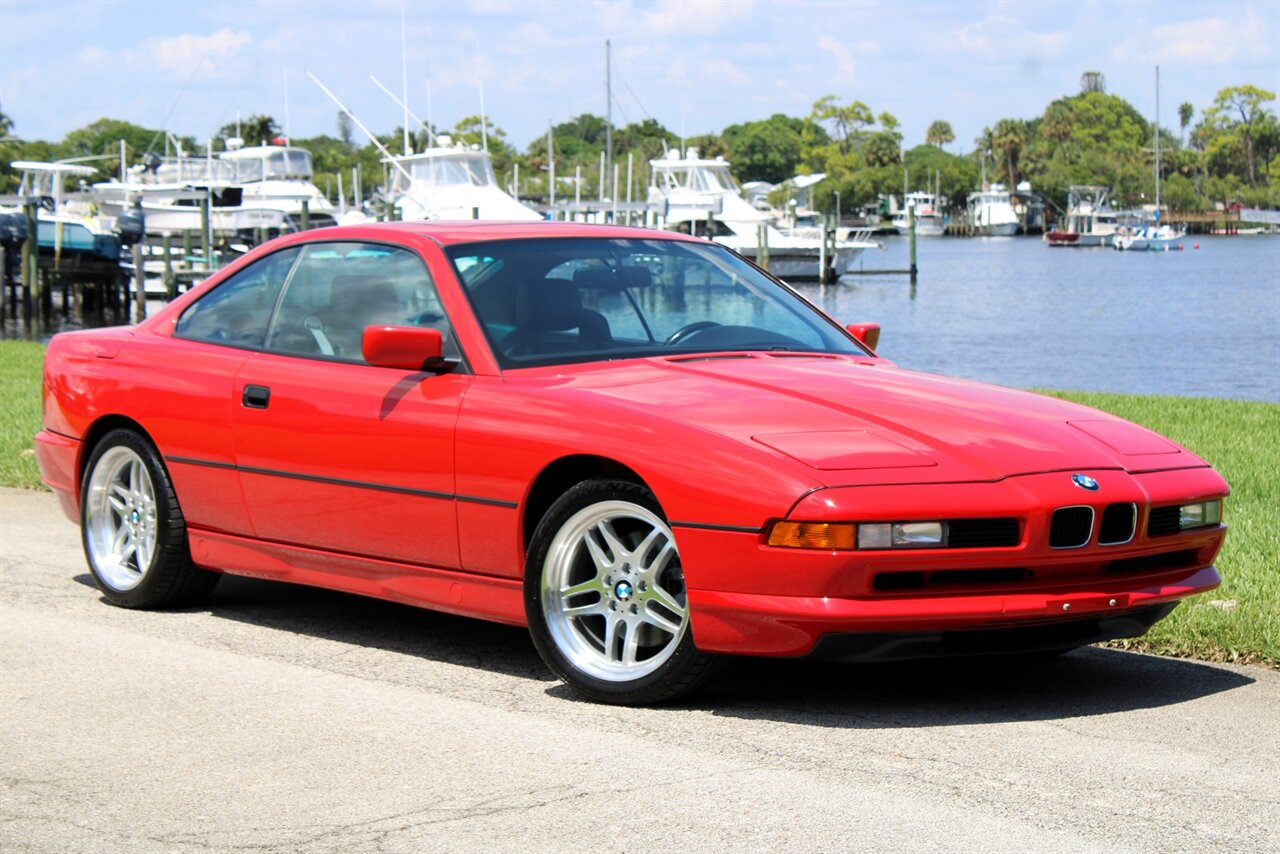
724, 71
1047, 45
843, 58
672, 17
1205, 41
203, 56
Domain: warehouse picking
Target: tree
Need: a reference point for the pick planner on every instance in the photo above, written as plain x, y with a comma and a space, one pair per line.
939, 134
1185, 114
847, 121
255, 130
1246, 103
1007, 139
766, 150
1093, 81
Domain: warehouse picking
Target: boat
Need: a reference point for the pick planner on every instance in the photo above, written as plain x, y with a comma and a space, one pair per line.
991, 213
451, 181
1149, 237
930, 221
172, 192
68, 222
1089, 220
698, 195
279, 176
1152, 235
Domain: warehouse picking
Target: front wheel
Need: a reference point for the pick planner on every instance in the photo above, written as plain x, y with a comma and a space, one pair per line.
135, 538
605, 597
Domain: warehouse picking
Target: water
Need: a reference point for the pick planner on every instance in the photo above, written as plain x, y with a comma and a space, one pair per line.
1012, 311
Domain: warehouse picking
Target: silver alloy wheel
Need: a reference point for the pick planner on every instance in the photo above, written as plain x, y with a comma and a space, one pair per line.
120, 518
613, 593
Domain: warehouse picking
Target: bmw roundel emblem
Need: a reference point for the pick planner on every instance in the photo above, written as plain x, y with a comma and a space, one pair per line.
1085, 482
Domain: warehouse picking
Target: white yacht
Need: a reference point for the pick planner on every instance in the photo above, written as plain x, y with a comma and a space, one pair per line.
279, 176
691, 188
991, 213
452, 182
1089, 221
170, 192
929, 219
1151, 237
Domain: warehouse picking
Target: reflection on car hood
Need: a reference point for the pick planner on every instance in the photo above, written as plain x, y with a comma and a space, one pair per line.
851, 421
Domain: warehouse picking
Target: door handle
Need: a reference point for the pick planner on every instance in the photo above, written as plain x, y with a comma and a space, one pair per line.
256, 396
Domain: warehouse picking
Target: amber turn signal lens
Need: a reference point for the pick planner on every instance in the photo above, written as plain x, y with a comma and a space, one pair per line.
812, 535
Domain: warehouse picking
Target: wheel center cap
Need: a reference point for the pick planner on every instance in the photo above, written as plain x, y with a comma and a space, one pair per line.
623, 590
135, 517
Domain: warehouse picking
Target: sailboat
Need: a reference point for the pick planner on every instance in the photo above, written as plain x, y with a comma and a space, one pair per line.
1153, 235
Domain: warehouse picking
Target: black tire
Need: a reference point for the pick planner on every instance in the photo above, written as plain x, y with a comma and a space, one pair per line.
160, 576
675, 667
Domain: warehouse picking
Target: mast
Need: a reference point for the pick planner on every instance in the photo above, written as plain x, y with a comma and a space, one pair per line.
608, 116
1157, 143
404, 82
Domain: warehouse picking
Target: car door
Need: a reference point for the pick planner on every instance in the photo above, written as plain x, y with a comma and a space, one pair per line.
337, 454
189, 414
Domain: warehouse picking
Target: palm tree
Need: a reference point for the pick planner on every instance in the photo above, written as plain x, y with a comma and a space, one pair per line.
1008, 137
939, 134
1185, 112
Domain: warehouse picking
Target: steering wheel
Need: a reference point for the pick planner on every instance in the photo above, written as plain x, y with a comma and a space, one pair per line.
687, 330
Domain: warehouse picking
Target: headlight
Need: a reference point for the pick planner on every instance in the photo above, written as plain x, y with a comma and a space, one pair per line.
1202, 514
902, 535
844, 535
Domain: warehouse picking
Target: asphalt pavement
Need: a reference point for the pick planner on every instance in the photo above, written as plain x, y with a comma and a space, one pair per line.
281, 718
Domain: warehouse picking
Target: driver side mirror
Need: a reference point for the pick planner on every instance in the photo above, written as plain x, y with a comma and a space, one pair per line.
408, 348
866, 333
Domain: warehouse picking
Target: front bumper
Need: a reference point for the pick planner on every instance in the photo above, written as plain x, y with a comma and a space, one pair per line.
753, 624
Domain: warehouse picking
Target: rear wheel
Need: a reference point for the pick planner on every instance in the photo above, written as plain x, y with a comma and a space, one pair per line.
135, 538
605, 597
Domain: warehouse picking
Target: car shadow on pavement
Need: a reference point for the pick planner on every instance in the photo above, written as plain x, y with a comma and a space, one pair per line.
961, 691
945, 692
374, 623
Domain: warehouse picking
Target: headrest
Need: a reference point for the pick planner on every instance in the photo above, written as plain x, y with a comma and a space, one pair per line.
612, 278
548, 305
359, 290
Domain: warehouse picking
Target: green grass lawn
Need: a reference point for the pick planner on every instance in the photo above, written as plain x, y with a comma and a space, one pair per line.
1239, 622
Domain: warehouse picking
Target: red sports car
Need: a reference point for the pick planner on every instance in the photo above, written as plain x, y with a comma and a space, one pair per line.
636, 443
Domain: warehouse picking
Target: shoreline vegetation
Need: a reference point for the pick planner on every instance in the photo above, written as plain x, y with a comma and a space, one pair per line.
1225, 153
1238, 623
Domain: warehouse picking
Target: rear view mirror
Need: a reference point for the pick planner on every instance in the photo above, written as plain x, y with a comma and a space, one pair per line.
866, 333
409, 348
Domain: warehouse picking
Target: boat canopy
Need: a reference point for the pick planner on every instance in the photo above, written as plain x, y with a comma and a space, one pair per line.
270, 163
693, 173
445, 167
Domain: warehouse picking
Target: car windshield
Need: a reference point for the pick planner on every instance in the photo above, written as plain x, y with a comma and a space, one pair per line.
556, 301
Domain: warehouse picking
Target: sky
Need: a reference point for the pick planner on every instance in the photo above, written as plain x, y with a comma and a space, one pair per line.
696, 66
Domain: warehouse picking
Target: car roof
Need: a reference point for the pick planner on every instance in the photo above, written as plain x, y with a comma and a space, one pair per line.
476, 231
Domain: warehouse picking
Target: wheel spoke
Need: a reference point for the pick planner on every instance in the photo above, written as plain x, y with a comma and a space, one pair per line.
591, 585
130, 548
611, 540
598, 557
119, 540
142, 552
656, 619
611, 636
631, 646
118, 506
666, 600
597, 607
643, 549
661, 559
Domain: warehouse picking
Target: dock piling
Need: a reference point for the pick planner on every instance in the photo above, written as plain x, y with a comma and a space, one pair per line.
911, 223
139, 285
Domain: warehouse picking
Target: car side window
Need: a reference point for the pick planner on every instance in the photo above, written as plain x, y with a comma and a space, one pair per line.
238, 311
337, 289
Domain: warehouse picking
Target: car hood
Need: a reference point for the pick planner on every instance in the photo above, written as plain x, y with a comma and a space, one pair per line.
852, 421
